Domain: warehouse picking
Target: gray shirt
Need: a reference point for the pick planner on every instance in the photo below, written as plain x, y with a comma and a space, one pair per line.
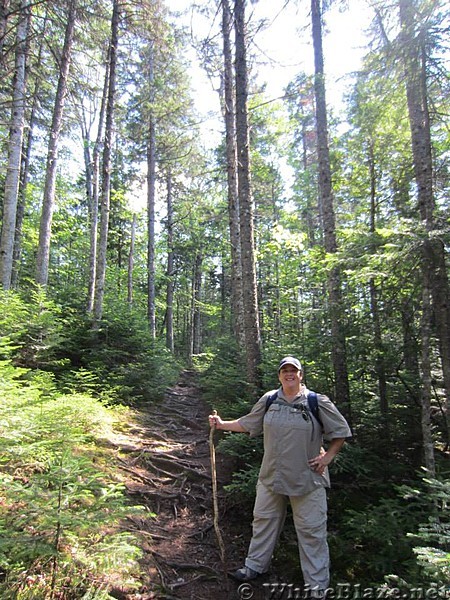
292, 436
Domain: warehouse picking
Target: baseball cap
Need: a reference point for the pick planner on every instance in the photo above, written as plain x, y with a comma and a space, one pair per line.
290, 360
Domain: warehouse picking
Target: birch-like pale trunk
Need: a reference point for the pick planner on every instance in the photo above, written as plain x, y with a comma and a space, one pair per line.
48, 203
26, 157
94, 199
12, 180
380, 365
426, 379
106, 170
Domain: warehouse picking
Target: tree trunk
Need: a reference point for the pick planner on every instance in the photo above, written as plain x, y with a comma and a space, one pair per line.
246, 216
170, 268
339, 352
94, 199
43, 252
434, 271
85, 136
131, 261
237, 306
151, 199
106, 169
195, 312
12, 180
377, 336
4, 14
25, 164
426, 387
410, 348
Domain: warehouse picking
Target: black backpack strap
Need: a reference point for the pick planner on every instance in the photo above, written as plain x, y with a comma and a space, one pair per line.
313, 404
270, 400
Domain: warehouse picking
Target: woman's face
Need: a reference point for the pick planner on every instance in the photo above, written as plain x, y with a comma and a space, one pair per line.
290, 375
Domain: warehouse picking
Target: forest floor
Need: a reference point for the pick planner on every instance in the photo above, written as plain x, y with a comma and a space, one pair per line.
165, 464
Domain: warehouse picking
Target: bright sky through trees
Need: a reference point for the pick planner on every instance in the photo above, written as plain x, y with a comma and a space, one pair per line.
283, 48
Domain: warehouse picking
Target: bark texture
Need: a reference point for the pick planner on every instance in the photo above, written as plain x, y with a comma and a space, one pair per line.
434, 270
229, 112
339, 352
11, 193
246, 212
48, 203
106, 170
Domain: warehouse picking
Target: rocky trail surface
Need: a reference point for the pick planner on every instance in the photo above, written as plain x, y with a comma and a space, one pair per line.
166, 466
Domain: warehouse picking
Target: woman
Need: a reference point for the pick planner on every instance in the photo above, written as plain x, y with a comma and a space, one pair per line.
295, 469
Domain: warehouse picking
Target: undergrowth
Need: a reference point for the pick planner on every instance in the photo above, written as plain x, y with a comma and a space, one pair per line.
61, 505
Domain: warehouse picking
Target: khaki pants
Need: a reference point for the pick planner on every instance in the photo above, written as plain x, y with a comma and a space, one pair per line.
310, 521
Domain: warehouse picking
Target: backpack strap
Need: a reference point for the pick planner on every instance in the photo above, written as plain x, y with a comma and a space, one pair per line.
270, 400
313, 405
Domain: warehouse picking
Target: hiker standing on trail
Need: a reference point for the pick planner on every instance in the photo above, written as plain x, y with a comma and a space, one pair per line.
294, 467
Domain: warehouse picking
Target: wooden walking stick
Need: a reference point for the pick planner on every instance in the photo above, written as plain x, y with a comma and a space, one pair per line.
212, 452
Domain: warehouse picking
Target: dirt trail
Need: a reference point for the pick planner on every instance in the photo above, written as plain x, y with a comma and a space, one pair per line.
165, 462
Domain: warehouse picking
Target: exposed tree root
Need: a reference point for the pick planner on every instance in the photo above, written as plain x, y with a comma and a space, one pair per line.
167, 463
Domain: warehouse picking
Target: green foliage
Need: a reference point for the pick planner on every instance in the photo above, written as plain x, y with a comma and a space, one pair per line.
377, 536
223, 379
247, 453
433, 535
118, 362
61, 505
405, 536
35, 325
243, 488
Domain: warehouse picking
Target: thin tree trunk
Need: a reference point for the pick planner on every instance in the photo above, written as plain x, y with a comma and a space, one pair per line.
237, 306
94, 200
25, 164
151, 199
106, 170
4, 14
85, 136
377, 336
131, 260
246, 212
12, 180
43, 252
170, 268
196, 297
426, 387
410, 346
339, 352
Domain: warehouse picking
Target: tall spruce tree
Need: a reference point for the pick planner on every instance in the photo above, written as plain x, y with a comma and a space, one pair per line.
246, 211
339, 352
435, 277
